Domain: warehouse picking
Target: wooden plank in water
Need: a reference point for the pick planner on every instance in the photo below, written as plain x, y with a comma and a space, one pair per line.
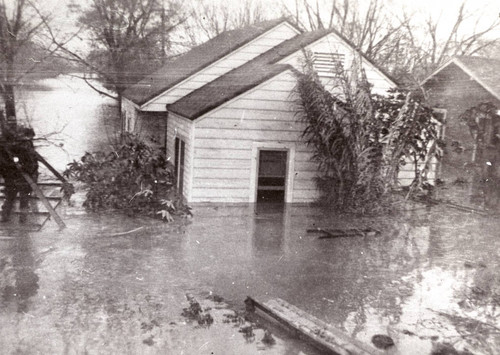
50, 198
316, 332
44, 183
349, 232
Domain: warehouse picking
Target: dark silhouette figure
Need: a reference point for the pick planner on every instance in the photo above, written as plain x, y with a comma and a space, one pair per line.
17, 156
18, 280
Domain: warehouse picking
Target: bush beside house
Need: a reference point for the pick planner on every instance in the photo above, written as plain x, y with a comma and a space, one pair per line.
133, 177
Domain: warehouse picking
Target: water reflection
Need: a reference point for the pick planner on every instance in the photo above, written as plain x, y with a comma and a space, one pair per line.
18, 280
269, 227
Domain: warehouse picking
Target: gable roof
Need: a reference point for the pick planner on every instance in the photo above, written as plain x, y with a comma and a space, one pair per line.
245, 77
485, 71
195, 60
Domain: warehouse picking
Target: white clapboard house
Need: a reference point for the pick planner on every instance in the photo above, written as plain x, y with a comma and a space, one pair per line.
226, 112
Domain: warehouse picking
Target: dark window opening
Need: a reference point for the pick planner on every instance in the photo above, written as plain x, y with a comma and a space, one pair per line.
271, 177
180, 148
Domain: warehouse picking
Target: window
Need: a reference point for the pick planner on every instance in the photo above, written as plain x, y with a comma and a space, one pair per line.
328, 64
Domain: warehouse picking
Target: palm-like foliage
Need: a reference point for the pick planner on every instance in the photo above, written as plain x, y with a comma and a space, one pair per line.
359, 139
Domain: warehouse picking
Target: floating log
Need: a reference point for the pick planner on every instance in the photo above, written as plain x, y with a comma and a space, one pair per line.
469, 209
321, 335
350, 232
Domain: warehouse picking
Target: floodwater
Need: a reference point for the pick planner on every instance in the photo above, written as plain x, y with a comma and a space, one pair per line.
112, 284
69, 118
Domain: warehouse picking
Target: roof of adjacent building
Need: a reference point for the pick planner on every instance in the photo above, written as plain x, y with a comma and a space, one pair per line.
485, 71
195, 60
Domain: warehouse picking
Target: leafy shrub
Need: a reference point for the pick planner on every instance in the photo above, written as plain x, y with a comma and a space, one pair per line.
133, 177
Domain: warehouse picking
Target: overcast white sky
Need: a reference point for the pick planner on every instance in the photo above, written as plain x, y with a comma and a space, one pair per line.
446, 10
492, 7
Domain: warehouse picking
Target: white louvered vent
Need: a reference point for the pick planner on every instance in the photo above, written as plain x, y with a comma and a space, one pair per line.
328, 64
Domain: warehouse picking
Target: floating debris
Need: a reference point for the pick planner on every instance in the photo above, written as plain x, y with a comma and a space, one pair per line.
195, 312
350, 232
268, 338
149, 341
447, 349
382, 341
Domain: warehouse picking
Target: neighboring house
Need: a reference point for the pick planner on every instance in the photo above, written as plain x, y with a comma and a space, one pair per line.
458, 85
229, 111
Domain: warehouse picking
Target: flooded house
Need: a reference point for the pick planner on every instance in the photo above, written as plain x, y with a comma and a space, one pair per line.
226, 112
460, 84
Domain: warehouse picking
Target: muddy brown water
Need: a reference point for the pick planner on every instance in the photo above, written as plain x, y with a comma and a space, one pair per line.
113, 284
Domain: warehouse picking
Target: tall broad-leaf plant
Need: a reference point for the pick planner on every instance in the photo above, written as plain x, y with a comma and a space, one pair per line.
360, 140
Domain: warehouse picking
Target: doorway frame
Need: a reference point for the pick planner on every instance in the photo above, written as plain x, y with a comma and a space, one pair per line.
290, 168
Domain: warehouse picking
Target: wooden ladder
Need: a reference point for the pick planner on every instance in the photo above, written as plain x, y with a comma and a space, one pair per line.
39, 194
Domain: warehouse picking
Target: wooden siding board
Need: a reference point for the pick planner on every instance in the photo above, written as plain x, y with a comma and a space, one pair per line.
237, 144
303, 155
255, 114
218, 144
305, 175
200, 193
261, 105
223, 153
221, 163
210, 134
251, 123
306, 165
221, 173
304, 185
221, 184
306, 195
273, 95
203, 200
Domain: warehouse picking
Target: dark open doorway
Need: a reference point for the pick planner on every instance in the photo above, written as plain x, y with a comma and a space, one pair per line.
180, 148
271, 179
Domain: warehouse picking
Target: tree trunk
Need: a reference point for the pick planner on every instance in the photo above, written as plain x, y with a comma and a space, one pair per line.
8, 90
121, 115
10, 102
